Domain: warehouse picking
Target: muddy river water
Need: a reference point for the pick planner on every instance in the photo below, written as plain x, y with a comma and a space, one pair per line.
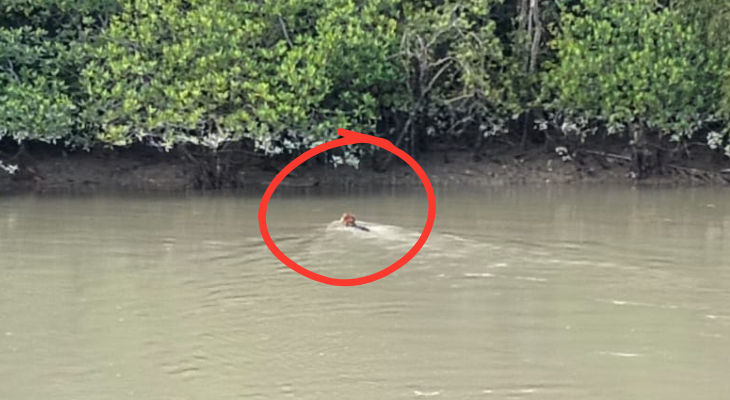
520, 293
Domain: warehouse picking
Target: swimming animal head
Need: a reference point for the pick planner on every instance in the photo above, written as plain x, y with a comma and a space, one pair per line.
348, 219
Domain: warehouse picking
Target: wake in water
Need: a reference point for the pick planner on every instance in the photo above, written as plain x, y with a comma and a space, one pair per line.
375, 231
336, 250
390, 237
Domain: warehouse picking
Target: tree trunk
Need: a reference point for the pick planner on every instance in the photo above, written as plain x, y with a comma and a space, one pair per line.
476, 154
535, 35
530, 23
644, 161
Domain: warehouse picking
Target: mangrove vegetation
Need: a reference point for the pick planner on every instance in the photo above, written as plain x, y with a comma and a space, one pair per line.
217, 80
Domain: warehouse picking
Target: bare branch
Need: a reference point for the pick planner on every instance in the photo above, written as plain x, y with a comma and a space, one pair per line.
286, 34
11, 70
537, 35
436, 77
463, 121
459, 98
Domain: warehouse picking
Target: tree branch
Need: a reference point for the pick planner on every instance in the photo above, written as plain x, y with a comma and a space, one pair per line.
286, 34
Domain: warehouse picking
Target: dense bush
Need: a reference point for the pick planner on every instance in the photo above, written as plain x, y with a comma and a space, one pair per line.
711, 19
285, 74
457, 65
624, 64
34, 100
41, 53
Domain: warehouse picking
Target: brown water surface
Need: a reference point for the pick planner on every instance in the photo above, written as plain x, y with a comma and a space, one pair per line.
581, 293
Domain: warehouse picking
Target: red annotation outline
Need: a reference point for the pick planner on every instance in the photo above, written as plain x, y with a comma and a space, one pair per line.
349, 137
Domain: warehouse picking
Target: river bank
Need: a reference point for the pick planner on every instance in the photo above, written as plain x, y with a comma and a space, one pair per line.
144, 169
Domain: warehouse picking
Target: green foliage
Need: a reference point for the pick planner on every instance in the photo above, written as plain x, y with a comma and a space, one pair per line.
33, 100
711, 19
452, 50
287, 73
39, 63
632, 61
208, 73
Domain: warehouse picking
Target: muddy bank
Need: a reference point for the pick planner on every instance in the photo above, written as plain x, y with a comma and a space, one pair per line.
48, 170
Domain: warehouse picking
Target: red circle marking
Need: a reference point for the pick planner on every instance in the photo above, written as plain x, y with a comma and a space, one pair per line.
349, 137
